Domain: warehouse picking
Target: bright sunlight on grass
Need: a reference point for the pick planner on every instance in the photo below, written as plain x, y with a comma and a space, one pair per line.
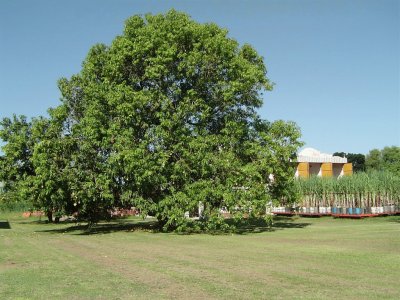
298, 258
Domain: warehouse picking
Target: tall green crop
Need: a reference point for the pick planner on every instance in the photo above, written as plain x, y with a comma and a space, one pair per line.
358, 190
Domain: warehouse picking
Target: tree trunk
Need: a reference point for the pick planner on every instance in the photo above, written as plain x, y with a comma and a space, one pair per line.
50, 216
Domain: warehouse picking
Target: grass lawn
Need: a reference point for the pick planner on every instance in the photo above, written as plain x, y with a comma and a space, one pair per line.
299, 258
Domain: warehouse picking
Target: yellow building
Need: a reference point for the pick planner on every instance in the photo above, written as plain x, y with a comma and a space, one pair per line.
312, 162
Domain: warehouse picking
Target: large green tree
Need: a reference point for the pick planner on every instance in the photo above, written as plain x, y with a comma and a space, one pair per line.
162, 119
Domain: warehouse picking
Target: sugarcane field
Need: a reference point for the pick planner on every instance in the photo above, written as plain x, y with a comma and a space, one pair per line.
356, 196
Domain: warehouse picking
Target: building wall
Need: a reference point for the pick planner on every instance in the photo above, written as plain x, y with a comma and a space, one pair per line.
347, 169
315, 169
312, 162
326, 170
336, 170
303, 170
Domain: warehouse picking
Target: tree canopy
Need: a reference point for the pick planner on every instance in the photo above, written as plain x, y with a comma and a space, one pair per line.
162, 119
387, 159
356, 159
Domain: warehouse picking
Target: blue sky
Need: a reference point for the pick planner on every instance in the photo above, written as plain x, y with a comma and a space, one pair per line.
335, 63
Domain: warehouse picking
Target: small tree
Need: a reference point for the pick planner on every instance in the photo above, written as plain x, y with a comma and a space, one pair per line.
52, 158
15, 165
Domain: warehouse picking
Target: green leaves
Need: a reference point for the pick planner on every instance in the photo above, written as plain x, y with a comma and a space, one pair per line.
162, 119
387, 159
359, 190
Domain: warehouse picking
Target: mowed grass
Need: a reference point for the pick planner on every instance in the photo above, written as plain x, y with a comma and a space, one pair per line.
300, 258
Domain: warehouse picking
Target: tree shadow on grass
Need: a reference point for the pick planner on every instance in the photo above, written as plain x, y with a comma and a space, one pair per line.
248, 226
127, 225
260, 225
5, 225
394, 219
37, 222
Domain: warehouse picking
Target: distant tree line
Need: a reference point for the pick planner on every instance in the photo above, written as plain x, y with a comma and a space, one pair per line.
386, 159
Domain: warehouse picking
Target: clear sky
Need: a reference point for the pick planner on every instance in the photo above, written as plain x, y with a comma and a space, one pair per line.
335, 63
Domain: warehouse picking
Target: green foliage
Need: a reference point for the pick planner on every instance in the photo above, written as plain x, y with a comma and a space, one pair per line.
9, 201
373, 160
387, 159
356, 159
15, 164
360, 189
162, 119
